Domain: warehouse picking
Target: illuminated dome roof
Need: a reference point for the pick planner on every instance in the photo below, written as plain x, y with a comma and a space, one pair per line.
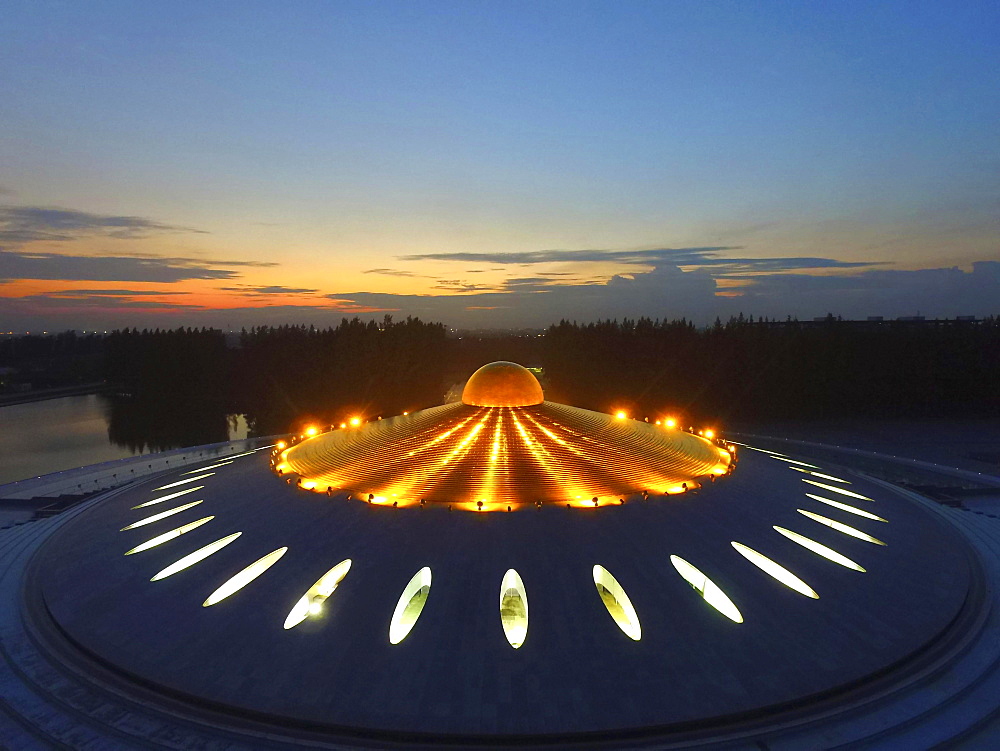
500, 456
502, 384
767, 590
777, 589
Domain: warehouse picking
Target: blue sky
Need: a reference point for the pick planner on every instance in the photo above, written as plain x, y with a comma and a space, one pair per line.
311, 160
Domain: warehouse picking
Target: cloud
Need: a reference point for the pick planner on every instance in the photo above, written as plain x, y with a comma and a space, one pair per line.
459, 285
391, 272
666, 291
68, 304
120, 268
270, 290
941, 292
687, 257
25, 224
112, 292
647, 257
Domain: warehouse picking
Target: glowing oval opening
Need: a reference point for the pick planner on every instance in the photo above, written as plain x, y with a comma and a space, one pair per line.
821, 475
617, 602
235, 583
185, 482
833, 489
794, 461
410, 605
847, 530
845, 507
169, 497
775, 570
157, 517
513, 608
311, 603
818, 548
168, 536
192, 558
707, 589
210, 466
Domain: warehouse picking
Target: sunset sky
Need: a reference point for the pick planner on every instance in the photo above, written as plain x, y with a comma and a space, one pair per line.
493, 164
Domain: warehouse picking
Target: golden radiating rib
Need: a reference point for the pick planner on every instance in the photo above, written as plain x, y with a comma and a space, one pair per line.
845, 507
157, 517
840, 527
236, 582
168, 536
842, 491
775, 570
169, 497
819, 548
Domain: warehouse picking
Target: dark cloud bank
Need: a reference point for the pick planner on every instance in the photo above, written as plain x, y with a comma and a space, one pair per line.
25, 224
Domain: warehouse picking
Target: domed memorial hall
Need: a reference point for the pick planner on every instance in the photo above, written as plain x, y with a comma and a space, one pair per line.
503, 571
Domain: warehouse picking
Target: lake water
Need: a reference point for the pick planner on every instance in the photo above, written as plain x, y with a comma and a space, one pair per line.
56, 434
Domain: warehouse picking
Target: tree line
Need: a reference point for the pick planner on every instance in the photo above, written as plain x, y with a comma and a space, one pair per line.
746, 370
177, 387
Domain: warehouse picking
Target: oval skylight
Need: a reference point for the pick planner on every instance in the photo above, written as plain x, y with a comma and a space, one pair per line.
210, 466
794, 461
845, 507
707, 589
157, 517
842, 491
775, 570
235, 583
192, 558
617, 602
168, 536
847, 530
410, 605
311, 603
513, 608
819, 548
185, 482
168, 497
820, 475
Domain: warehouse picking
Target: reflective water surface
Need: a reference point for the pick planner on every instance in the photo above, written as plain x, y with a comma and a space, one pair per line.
55, 434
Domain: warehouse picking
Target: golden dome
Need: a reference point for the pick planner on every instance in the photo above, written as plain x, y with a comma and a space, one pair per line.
507, 448
502, 384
